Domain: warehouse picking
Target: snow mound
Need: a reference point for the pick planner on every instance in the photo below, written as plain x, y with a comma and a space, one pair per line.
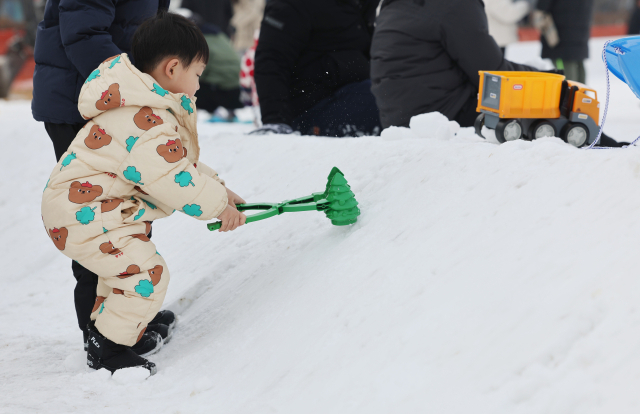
433, 125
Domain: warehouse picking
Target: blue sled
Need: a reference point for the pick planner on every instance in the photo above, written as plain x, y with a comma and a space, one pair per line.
623, 60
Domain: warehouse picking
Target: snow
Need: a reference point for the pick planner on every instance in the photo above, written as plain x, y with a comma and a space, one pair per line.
479, 278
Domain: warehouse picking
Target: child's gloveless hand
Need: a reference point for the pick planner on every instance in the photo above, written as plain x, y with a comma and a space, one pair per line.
231, 219
234, 199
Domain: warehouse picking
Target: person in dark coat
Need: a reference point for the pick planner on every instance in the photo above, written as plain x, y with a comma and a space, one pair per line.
216, 12
572, 19
72, 40
425, 57
312, 68
634, 22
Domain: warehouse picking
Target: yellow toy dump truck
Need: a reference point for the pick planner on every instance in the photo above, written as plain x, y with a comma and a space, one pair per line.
530, 105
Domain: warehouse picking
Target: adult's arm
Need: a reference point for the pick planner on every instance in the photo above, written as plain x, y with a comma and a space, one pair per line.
466, 38
84, 26
284, 33
507, 11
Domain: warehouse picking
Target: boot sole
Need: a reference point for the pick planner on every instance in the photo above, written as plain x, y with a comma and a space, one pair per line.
155, 350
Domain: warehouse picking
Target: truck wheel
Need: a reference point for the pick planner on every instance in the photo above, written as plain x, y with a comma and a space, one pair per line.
576, 134
478, 124
508, 130
542, 129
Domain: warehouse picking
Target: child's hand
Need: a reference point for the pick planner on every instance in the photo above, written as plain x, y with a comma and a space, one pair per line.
234, 199
231, 219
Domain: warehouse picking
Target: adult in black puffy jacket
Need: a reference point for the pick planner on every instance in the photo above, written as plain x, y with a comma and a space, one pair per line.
312, 67
572, 19
72, 40
425, 57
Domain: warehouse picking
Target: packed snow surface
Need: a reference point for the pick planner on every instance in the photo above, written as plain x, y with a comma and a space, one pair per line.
480, 278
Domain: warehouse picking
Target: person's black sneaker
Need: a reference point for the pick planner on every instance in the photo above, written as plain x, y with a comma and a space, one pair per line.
149, 344
165, 317
163, 330
104, 353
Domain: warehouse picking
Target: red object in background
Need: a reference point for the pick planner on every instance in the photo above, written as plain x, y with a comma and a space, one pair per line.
613, 30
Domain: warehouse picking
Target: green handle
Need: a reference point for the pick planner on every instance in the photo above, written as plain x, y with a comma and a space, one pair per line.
270, 209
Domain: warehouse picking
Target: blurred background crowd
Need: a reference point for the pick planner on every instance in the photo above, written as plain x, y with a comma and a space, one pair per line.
350, 67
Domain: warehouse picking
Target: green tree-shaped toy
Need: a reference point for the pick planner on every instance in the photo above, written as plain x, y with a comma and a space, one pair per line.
343, 207
338, 202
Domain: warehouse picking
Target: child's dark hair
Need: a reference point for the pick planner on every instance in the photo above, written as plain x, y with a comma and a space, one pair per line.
167, 34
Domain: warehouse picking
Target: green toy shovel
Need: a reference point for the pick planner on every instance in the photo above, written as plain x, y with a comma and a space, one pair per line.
338, 203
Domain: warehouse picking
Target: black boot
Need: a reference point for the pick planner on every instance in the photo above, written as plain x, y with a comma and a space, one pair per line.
162, 330
165, 317
104, 353
150, 343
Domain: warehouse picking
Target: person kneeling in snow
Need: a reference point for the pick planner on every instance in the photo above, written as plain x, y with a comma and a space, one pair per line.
136, 160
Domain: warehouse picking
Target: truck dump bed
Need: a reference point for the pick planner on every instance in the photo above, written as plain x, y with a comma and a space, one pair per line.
520, 94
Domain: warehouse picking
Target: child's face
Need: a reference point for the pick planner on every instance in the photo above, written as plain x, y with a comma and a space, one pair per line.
174, 77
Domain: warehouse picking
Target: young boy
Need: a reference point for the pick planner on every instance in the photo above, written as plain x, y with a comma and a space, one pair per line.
136, 160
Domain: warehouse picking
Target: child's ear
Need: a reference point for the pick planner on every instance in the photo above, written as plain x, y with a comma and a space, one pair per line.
170, 68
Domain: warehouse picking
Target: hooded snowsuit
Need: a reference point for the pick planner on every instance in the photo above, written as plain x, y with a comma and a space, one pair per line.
135, 161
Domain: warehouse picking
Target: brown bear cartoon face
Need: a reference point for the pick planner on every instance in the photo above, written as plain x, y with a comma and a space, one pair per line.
131, 270
84, 193
141, 237
110, 205
172, 151
117, 291
99, 301
59, 237
155, 274
146, 119
97, 138
107, 248
110, 98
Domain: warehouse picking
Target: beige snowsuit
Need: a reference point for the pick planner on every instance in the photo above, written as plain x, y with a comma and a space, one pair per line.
135, 161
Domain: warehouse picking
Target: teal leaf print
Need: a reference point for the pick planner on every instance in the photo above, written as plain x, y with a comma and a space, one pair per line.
67, 160
86, 215
159, 90
192, 210
95, 74
113, 63
184, 179
101, 308
45, 187
131, 142
140, 213
104, 230
186, 104
132, 174
144, 288
150, 204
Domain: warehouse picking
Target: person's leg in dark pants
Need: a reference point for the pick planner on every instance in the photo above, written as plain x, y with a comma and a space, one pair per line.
350, 112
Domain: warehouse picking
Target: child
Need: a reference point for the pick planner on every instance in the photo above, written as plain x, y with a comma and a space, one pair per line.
136, 160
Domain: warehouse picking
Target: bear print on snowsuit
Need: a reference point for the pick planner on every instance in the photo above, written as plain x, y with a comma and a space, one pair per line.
155, 274
110, 204
146, 119
59, 237
172, 151
99, 301
110, 98
107, 248
84, 193
131, 270
97, 138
